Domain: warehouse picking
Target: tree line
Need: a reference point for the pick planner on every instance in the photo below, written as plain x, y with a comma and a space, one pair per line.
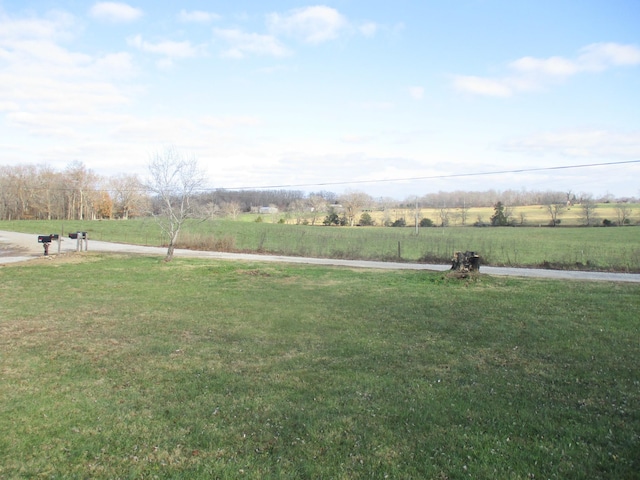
77, 193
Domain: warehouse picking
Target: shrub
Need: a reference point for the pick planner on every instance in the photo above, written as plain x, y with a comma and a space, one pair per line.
607, 223
426, 222
366, 220
401, 222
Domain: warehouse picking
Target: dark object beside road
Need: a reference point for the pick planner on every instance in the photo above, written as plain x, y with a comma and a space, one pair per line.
465, 262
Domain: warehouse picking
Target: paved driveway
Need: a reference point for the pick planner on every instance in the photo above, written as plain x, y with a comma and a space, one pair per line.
18, 247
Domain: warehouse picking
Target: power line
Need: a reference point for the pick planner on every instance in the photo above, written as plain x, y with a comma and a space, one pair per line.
430, 177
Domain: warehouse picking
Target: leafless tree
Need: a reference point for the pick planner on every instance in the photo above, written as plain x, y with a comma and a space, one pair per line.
317, 205
129, 198
81, 190
555, 210
231, 209
353, 203
444, 213
173, 179
297, 209
464, 212
622, 213
588, 207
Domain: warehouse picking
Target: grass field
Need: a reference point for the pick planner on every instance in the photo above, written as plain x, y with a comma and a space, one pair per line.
129, 367
614, 249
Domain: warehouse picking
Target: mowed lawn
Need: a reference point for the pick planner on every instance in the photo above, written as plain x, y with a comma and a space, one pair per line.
128, 367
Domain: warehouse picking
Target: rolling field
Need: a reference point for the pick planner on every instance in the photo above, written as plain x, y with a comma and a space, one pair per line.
129, 367
606, 249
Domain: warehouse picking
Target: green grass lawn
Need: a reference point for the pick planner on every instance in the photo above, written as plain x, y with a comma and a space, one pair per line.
616, 249
129, 367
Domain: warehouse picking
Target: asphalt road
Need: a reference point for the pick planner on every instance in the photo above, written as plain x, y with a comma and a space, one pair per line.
20, 247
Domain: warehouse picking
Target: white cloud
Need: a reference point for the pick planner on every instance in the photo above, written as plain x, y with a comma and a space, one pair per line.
368, 29
554, 66
482, 86
585, 143
167, 48
115, 12
530, 73
313, 25
417, 93
55, 25
377, 105
241, 44
197, 16
356, 139
229, 122
47, 89
600, 56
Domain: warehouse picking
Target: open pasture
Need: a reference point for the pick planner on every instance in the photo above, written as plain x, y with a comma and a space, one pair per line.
129, 367
613, 249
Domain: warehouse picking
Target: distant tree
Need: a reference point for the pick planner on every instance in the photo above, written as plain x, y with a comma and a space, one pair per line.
588, 207
444, 213
401, 222
104, 206
298, 209
231, 209
353, 203
500, 217
464, 213
622, 213
555, 210
366, 220
334, 219
129, 198
81, 184
317, 205
173, 179
426, 222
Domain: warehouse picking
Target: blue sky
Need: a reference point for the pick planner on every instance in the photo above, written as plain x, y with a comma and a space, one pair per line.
312, 95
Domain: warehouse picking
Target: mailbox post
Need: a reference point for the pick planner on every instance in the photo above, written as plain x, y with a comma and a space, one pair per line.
79, 237
46, 240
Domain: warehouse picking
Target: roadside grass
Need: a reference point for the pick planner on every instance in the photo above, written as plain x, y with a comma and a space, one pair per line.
129, 367
607, 249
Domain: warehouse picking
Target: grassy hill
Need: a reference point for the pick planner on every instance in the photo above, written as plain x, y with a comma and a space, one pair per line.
118, 366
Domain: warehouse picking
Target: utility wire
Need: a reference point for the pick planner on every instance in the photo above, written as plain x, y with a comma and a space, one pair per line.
430, 177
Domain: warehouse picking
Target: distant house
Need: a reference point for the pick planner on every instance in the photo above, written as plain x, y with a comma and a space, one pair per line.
268, 210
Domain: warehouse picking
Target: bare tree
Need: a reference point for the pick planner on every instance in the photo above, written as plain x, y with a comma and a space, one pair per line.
173, 178
555, 210
354, 203
464, 212
129, 199
231, 209
588, 207
622, 213
298, 209
317, 205
444, 213
81, 188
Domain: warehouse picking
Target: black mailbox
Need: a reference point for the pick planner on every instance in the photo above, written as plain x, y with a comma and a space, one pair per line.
48, 238
73, 236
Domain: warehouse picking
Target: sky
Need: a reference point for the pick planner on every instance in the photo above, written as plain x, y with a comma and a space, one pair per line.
389, 98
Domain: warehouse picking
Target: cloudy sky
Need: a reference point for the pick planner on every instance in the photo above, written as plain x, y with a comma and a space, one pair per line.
371, 95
